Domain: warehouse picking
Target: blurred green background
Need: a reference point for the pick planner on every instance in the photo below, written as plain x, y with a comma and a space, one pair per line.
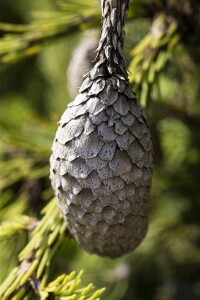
33, 95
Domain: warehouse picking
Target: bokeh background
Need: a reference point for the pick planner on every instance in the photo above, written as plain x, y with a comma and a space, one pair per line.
41, 69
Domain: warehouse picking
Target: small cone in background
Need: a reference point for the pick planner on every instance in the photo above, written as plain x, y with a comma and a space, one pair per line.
81, 61
101, 162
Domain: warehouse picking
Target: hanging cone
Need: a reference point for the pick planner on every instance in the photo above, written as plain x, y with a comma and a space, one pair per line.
101, 162
81, 61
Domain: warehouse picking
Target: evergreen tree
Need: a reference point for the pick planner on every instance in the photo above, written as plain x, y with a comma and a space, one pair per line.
37, 254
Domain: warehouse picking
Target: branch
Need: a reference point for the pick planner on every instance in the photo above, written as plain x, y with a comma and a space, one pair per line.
185, 12
20, 41
31, 275
151, 55
163, 110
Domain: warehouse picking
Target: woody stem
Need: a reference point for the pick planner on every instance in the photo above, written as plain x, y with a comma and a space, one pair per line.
109, 52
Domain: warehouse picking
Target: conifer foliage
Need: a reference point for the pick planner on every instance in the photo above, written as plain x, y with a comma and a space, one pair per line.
38, 257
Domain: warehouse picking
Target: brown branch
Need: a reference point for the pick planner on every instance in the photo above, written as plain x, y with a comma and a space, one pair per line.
186, 12
61, 34
163, 110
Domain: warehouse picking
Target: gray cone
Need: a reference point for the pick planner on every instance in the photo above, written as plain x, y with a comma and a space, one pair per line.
101, 162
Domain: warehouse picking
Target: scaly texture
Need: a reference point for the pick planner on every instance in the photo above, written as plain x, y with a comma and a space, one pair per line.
101, 162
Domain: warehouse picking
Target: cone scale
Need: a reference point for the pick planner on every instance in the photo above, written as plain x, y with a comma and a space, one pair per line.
101, 161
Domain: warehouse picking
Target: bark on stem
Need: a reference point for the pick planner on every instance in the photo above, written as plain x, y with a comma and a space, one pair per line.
109, 51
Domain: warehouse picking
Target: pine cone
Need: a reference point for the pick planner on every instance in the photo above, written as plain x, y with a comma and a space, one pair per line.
81, 61
101, 162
